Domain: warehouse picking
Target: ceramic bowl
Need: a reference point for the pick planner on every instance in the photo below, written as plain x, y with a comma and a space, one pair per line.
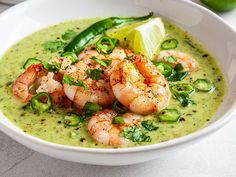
217, 37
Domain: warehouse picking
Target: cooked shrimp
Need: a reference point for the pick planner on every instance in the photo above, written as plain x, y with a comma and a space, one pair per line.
91, 51
37, 75
188, 63
98, 91
117, 55
22, 85
103, 131
50, 85
139, 86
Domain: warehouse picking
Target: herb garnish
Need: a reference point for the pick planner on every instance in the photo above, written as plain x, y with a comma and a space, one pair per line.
67, 80
54, 67
94, 74
104, 63
136, 134
69, 34
148, 125
53, 46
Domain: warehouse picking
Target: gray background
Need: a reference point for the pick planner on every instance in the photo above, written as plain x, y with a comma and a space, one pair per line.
215, 156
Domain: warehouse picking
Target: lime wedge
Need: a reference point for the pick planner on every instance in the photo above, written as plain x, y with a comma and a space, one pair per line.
146, 38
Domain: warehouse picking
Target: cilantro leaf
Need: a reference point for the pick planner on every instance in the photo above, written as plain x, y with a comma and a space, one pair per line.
53, 46
67, 80
184, 99
69, 34
94, 74
136, 134
54, 67
104, 63
148, 125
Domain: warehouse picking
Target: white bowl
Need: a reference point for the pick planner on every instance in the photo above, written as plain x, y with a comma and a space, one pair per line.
218, 37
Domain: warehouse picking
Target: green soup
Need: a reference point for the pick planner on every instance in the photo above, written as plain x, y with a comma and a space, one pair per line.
49, 126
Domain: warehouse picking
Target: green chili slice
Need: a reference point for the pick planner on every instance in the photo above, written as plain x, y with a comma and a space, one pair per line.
164, 68
119, 108
105, 44
91, 108
203, 85
169, 59
41, 102
187, 89
71, 119
169, 115
118, 120
182, 93
179, 67
72, 56
78, 43
181, 75
31, 61
169, 44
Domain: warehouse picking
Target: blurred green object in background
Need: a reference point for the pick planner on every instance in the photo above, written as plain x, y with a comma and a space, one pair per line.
220, 5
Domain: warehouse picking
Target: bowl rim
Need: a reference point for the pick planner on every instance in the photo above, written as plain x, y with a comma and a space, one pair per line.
177, 141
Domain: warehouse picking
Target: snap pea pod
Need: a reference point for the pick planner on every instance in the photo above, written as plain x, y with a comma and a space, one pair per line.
79, 42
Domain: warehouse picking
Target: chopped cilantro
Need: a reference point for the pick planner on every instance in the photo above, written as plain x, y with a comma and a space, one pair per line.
67, 80
94, 74
136, 134
54, 67
104, 63
69, 34
148, 125
53, 46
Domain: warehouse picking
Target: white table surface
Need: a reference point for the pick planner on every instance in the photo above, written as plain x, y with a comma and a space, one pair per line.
213, 157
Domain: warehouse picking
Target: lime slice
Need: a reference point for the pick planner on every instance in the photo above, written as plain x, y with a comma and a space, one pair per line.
146, 38
220, 5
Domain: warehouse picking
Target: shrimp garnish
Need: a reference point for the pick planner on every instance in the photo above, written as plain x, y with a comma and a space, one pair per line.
103, 131
98, 91
188, 63
139, 86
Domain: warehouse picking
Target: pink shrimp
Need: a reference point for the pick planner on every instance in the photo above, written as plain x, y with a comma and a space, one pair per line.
103, 131
188, 63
